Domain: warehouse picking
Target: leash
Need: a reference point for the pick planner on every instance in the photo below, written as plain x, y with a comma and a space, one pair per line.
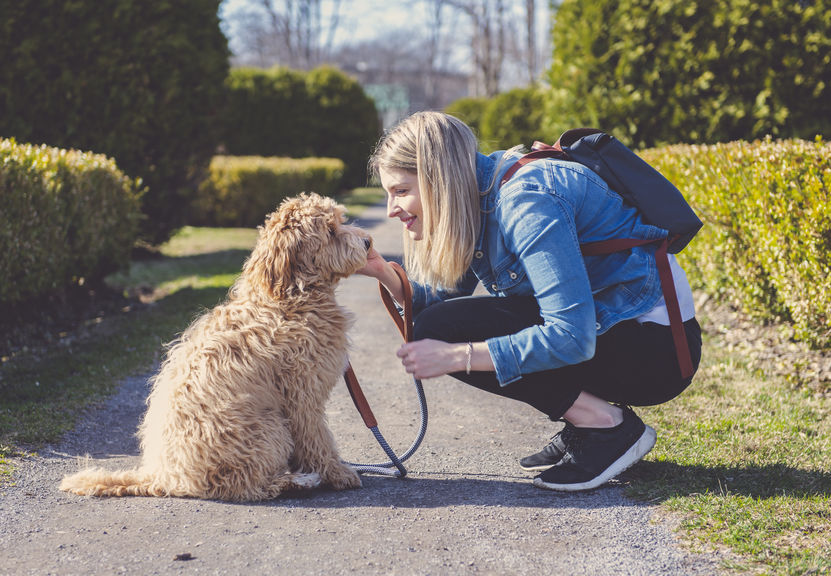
394, 466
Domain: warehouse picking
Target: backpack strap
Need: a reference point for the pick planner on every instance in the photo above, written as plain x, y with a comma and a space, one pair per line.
539, 151
679, 335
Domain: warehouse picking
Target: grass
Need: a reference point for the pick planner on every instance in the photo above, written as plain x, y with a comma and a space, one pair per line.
742, 459
746, 461
45, 388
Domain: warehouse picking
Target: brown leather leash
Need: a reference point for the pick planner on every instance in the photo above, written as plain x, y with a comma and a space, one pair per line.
405, 327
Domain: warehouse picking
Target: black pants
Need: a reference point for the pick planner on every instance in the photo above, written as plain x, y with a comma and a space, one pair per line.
634, 363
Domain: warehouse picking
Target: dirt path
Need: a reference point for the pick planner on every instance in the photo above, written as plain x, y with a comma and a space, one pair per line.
466, 508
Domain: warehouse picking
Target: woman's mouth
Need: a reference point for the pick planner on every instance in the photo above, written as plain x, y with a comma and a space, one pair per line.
408, 222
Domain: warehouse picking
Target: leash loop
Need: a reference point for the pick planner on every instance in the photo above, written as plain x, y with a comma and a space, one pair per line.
394, 466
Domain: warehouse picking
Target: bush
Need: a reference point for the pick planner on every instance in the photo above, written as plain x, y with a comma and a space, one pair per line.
267, 113
241, 190
282, 112
138, 81
766, 242
344, 123
514, 117
469, 111
67, 215
672, 71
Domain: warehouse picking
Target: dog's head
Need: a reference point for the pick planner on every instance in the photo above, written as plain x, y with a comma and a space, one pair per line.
303, 245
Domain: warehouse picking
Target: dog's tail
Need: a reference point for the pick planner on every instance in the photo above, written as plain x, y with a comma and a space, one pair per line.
100, 482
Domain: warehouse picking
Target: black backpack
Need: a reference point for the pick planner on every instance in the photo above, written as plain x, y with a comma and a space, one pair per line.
658, 200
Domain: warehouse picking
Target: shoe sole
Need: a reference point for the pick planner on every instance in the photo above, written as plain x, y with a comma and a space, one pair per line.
539, 468
638, 450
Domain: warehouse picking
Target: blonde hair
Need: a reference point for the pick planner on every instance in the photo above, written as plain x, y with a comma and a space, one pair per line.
441, 151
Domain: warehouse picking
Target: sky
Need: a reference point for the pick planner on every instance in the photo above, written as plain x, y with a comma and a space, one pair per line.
359, 20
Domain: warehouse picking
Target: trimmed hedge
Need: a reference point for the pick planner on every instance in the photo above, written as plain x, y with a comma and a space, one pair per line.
510, 118
282, 112
514, 117
66, 216
241, 190
138, 81
766, 243
470, 111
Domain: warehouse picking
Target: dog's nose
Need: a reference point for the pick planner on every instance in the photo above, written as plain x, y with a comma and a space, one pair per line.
368, 243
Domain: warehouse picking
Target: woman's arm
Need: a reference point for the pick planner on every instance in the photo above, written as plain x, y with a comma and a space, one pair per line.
431, 358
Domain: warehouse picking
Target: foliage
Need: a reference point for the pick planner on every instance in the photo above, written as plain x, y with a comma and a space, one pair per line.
281, 112
672, 71
766, 242
266, 112
344, 124
67, 216
514, 117
469, 111
241, 190
137, 81
743, 458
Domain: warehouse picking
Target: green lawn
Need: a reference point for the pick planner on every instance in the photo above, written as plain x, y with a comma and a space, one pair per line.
742, 459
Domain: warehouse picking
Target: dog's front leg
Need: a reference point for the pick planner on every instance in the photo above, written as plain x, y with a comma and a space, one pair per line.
315, 450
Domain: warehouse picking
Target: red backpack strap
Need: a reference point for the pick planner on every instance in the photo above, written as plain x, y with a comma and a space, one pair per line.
539, 151
679, 335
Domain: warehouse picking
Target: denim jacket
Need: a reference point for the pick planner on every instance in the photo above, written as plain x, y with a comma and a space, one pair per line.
529, 244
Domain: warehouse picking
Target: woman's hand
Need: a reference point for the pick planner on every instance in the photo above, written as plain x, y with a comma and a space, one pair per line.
381, 270
375, 264
432, 358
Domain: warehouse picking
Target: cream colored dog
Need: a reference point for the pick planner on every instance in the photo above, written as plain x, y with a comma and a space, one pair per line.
237, 409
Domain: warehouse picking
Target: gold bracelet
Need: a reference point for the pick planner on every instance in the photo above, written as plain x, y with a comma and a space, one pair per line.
469, 356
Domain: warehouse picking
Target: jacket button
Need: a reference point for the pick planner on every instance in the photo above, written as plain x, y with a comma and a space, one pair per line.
513, 275
478, 254
495, 287
597, 325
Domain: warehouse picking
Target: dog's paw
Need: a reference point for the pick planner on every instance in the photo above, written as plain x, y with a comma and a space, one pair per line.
343, 477
307, 481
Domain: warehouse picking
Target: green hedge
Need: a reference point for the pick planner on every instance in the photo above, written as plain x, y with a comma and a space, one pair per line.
766, 242
469, 111
510, 118
514, 117
241, 190
671, 71
281, 112
66, 215
138, 81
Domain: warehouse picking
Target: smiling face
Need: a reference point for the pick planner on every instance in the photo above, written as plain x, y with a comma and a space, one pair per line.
404, 199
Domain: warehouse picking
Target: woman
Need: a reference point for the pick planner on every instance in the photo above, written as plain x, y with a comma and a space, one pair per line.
578, 338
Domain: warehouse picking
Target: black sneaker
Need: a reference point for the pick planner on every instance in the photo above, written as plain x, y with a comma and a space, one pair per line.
596, 455
552, 453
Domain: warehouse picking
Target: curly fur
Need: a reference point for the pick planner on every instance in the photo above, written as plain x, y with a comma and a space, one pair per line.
237, 409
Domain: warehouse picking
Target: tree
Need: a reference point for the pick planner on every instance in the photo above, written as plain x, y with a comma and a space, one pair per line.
704, 71
138, 81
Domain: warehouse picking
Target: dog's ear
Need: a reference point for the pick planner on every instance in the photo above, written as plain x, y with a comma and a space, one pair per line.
284, 257
268, 269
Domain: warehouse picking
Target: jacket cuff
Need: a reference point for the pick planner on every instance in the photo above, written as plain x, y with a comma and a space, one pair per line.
504, 360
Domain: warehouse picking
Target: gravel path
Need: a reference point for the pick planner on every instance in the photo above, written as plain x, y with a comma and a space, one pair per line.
465, 508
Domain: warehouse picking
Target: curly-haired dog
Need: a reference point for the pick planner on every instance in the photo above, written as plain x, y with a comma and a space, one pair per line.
237, 408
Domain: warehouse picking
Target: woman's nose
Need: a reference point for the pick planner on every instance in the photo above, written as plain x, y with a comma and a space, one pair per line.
392, 209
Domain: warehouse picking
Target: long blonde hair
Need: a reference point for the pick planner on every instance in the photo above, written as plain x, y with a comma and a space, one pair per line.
441, 151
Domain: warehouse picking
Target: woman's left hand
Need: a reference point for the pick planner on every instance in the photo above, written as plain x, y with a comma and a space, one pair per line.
432, 358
